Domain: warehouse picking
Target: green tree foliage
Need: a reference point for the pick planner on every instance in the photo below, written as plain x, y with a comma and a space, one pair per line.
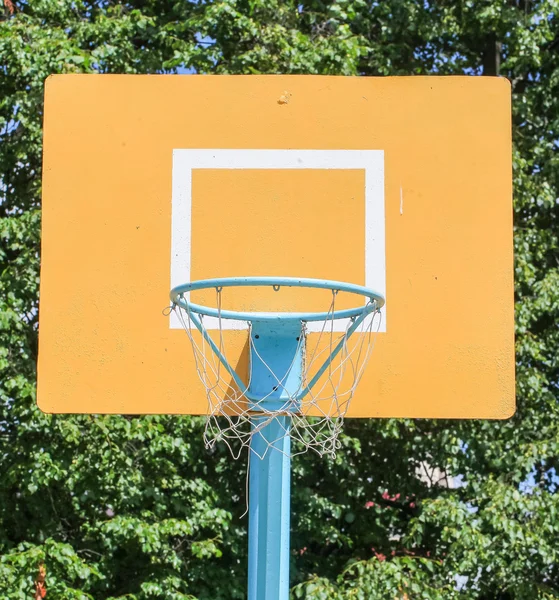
126, 507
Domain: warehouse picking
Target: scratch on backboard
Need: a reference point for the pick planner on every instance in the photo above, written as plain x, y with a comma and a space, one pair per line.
401, 201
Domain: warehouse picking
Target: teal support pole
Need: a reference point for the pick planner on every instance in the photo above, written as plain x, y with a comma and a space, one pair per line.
269, 510
276, 364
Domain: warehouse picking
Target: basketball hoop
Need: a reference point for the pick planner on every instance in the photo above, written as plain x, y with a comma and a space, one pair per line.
301, 378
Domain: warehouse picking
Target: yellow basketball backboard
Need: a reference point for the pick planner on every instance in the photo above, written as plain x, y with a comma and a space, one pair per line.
400, 184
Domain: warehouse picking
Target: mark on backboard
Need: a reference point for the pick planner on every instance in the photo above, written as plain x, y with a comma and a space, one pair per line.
284, 98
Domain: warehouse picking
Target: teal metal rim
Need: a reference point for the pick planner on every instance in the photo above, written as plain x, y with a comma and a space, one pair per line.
178, 298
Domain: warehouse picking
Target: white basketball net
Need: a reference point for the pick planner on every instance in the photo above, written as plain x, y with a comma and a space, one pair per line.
318, 422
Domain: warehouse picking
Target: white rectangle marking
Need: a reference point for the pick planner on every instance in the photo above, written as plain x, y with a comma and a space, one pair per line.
186, 160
